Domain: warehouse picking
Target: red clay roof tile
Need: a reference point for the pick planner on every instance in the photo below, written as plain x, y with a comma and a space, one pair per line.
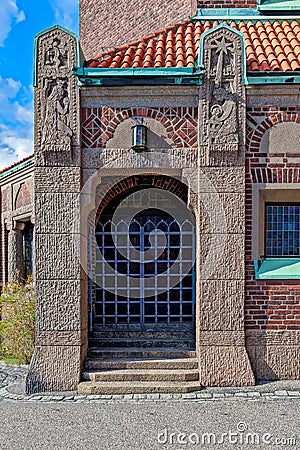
269, 46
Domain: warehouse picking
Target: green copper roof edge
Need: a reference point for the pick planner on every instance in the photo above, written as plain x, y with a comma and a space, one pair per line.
250, 78
271, 5
238, 19
16, 168
255, 78
79, 54
238, 14
140, 72
212, 30
224, 13
277, 8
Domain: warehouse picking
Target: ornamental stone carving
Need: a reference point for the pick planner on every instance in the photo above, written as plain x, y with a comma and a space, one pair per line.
56, 98
222, 98
56, 129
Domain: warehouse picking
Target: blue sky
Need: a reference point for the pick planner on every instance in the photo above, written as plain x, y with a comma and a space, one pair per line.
20, 21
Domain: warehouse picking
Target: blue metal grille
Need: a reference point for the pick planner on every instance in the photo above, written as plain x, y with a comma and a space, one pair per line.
282, 230
148, 292
28, 248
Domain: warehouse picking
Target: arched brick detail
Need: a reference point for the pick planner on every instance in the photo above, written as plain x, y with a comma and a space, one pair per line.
165, 182
268, 172
4, 200
99, 124
23, 197
270, 120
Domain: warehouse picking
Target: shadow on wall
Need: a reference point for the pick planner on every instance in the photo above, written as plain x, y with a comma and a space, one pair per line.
156, 135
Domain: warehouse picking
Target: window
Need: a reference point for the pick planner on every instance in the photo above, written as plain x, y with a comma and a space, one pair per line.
28, 248
276, 231
282, 230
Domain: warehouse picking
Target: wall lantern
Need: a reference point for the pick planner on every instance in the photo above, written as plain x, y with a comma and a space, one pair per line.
139, 135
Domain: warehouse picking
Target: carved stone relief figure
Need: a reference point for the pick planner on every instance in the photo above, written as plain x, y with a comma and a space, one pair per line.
222, 61
56, 128
56, 112
56, 56
223, 118
222, 104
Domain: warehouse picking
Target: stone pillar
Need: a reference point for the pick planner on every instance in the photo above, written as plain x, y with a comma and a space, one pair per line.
61, 329
15, 252
223, 359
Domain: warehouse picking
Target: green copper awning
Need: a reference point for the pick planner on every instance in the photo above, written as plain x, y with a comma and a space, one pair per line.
279, 5
277, 269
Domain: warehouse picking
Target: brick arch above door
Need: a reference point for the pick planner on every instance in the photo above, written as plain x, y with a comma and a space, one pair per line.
99, 124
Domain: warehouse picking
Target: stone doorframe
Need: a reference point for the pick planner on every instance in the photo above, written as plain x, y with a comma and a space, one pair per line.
216, 197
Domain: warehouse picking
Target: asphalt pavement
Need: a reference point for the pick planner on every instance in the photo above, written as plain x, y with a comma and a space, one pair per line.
218, 423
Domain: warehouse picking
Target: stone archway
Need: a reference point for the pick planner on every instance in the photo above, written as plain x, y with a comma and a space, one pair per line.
145, 269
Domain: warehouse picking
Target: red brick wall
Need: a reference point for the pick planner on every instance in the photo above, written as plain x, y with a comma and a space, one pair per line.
23, 197
3, 200
108, 24
270, 305
1, 255
3, 239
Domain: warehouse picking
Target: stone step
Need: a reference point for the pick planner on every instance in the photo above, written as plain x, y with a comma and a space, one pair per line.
141, 363
143, 343
133, 353
138, 387
143, 335
133, 375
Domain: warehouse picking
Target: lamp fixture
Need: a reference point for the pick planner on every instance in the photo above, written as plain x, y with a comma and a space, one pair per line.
139, 135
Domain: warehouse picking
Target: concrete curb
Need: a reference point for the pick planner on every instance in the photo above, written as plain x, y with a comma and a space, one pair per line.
253, 395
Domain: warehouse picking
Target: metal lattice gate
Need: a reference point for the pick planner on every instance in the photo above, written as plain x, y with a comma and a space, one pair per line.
143, 275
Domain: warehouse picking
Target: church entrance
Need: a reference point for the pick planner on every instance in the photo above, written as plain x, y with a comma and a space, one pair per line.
144, 264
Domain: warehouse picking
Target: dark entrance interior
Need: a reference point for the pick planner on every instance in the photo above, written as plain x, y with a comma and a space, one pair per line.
145, 263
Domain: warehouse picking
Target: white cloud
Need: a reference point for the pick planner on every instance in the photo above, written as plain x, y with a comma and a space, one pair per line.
16, 121
8, 88
9, 14
23, 115
66, 13
15, 101
13, 147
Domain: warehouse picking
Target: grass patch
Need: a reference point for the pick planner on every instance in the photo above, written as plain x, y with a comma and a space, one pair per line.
10, 360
